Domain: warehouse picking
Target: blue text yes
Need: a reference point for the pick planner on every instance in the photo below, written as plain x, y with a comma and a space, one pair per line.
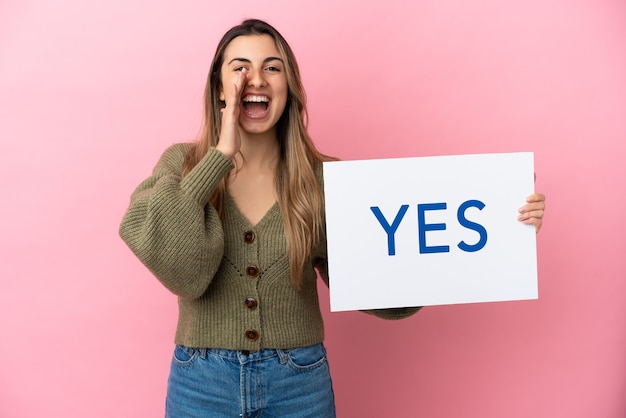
423, 227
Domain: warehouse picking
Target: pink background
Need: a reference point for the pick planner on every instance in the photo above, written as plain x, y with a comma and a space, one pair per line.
92, 92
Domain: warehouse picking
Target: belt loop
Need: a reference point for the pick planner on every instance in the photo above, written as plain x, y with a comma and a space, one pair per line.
282, 356
203, 352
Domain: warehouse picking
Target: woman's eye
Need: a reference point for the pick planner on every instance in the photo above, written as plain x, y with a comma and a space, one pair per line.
276, 69
239, 68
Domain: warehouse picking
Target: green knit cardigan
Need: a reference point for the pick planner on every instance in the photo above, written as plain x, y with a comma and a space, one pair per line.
231, 278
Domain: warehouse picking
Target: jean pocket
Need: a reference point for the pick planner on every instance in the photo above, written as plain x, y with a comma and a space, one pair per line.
305, 358
184, 356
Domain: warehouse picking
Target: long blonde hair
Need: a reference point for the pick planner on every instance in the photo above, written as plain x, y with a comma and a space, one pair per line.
300, 196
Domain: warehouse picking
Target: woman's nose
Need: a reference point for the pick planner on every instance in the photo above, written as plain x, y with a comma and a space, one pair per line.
255, 78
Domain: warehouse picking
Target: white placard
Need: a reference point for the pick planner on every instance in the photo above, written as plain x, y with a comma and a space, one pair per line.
429, 231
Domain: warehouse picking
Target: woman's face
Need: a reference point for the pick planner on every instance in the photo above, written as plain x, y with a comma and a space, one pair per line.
264, 93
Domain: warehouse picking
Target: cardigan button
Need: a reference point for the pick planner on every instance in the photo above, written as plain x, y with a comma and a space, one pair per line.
252, 271
248, 237
252, 335
251, 303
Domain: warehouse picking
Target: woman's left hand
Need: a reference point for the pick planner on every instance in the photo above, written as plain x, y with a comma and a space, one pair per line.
532, 212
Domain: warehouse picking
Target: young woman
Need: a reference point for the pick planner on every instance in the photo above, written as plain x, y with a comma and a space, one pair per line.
233, 224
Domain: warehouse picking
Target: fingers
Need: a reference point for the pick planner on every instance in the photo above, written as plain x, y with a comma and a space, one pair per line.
229, 141
234, 99
536, 222
536, 197
238, 88
535, 203
532, 212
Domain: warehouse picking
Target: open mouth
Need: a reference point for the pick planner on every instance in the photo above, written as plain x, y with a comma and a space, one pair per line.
255, 105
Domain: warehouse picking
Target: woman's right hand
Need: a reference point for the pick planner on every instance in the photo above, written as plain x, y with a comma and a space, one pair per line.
229, 141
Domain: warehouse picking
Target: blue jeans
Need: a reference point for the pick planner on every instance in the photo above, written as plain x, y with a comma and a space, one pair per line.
292, 383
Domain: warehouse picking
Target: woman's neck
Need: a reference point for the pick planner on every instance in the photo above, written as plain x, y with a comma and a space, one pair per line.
259, 151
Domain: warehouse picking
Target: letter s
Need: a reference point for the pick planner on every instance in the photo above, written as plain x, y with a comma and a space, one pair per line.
472, 225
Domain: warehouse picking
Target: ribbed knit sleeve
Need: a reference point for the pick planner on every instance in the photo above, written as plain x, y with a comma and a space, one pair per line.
393, 313
170, 226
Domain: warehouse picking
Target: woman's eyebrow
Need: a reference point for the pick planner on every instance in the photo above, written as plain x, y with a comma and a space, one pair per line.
266, 60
